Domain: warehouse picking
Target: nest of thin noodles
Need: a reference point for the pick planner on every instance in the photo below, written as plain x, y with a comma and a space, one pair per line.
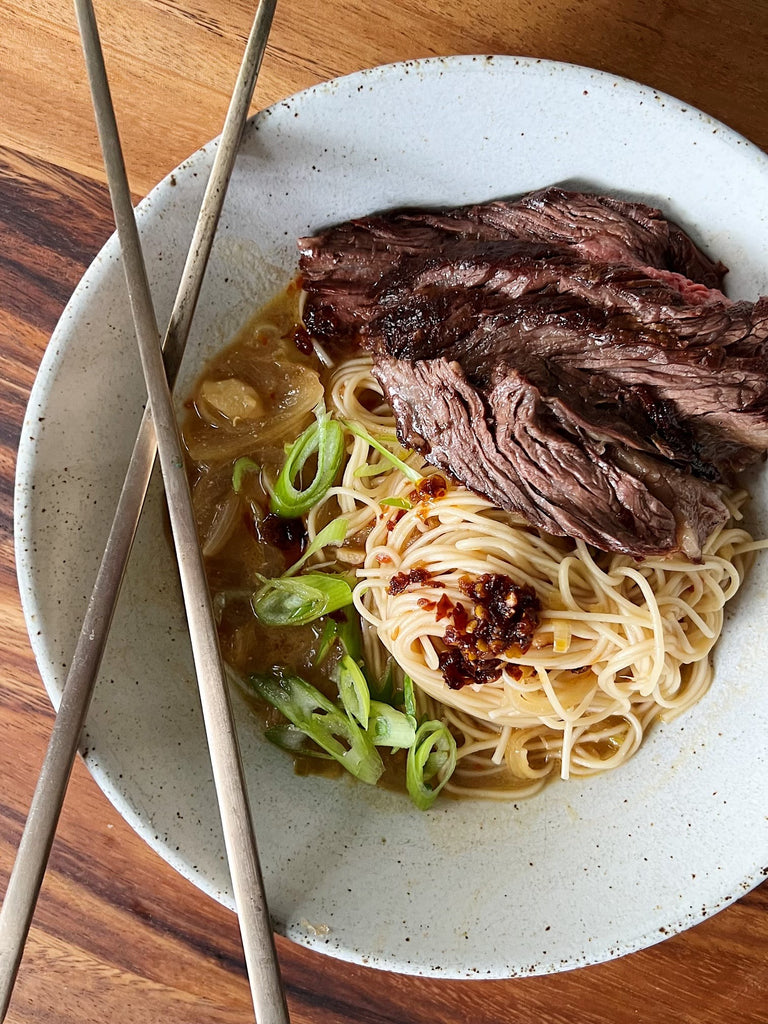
620, 643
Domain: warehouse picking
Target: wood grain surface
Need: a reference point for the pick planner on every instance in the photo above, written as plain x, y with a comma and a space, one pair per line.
118, 936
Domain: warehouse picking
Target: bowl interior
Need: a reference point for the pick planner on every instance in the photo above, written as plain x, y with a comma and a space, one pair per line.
586, 871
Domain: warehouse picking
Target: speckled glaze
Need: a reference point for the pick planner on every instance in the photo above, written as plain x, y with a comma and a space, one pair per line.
588, 870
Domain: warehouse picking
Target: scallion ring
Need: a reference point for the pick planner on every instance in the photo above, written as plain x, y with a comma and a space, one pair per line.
325, 438
433, 754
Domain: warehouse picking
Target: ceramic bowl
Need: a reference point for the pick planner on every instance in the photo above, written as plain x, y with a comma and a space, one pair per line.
588, 870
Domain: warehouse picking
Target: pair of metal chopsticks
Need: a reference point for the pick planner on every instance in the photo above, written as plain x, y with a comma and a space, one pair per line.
158, 432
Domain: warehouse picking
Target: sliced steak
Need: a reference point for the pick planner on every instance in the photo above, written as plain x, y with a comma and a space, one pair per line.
568, 355
603, 229
537, 460
343, 267
702, 366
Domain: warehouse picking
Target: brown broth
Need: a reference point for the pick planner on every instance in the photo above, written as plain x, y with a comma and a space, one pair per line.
233, 570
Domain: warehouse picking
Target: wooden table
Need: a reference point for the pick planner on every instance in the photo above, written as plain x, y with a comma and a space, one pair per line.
118, 936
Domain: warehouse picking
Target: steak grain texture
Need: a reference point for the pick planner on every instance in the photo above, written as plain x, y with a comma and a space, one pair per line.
569, 356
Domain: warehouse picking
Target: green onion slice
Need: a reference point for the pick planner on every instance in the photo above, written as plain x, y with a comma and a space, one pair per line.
330, 728
351, 636
327, 639
409, 698
295, 741
325, 438
404, 468
384, 689
371, 469
396, 503
345, 628
330, 536
353, 690
297, 600
433, 753
388, 727
241, 468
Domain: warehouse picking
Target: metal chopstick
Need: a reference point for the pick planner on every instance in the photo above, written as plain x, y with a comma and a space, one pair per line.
29, 868
239, 839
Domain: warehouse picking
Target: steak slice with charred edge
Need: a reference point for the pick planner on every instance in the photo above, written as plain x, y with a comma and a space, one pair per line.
700, 370
343, 266
538, 461
569, 356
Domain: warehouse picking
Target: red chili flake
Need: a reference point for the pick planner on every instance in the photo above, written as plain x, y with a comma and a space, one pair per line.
383, 559
444, 607
460, 618
428, 488
419, 576
505, 615
424, 602
395, 519
402, 580
458, 670
507, 612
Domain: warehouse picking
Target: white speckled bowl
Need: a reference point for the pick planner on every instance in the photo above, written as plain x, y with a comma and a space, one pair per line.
588, 870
